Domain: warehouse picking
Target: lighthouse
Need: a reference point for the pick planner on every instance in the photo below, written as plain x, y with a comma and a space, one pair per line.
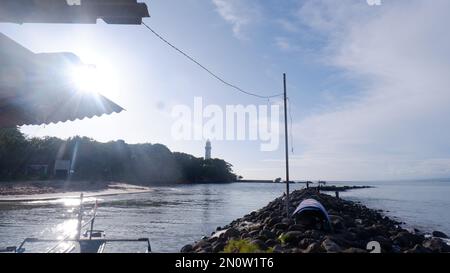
208, 149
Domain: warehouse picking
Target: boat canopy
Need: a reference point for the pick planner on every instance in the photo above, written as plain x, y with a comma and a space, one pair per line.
309, 207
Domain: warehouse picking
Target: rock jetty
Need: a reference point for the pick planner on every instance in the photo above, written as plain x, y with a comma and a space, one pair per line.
340, 188
354, 226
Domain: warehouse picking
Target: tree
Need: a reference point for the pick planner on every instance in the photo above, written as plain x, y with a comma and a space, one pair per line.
112, 161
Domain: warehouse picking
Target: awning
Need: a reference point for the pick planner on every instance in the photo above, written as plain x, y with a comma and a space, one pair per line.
35, 88
72, 11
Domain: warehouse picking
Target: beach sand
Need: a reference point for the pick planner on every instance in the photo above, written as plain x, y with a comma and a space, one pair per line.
51, 190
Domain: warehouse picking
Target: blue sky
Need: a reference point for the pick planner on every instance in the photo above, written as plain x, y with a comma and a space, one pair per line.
369, 85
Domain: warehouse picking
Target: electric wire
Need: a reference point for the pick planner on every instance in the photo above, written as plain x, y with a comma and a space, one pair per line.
208, 70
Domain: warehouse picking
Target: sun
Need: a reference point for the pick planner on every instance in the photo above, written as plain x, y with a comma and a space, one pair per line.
92, 79
85, 78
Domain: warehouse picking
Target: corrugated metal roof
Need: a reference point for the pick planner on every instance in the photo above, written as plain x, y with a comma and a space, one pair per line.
59, 11
34, 90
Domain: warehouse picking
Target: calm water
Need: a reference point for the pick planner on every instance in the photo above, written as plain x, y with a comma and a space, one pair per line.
174, 216
420, 204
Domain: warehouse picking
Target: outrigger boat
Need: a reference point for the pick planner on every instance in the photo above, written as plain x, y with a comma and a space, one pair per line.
89, 241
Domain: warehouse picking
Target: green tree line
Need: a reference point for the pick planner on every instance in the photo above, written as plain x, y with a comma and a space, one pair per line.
112, 161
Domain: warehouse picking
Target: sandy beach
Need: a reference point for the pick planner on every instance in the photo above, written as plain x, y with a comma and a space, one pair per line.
51, 190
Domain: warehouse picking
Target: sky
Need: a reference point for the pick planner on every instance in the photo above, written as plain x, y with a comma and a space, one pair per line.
368, 84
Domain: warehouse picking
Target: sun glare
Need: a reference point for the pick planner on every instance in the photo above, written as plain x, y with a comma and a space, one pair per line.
91, 79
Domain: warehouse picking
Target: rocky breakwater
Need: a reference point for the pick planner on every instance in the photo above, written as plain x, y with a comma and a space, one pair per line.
354, 226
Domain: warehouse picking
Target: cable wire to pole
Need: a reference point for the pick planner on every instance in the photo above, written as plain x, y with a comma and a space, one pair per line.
208, 70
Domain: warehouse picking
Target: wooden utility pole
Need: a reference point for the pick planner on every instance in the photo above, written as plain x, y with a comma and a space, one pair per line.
286, 146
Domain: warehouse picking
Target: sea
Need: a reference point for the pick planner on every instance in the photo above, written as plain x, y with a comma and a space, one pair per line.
174, 216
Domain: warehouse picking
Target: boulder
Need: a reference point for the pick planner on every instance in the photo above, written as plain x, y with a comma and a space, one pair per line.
212, 239
267, 233
231, 233
287, 221
330, 246
439, 234
313, 248
304, 243
436, 245
186, 249
405, 239
281, 226
201, 245
275, 220
261, 244
292, 237
296, 227
271, 242
314, 234
278, 249
337, 222
418, 249
354, 250
386, 244
218, 247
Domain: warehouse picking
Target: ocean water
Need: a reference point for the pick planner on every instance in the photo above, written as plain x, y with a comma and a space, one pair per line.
424, 205
174, 216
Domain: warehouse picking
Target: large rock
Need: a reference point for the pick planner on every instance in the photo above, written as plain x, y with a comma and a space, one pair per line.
440, 234
313, 248
261, 244
292, 237
296, 227
337, 222
418, 249
304, 243
218, 247
330, 246
186, 249
436, 245
267, 233
354, 250
278, 249
405, 239
314, 234
275, 220
201, 245
281, 226
231, 233
253, 233
271, 242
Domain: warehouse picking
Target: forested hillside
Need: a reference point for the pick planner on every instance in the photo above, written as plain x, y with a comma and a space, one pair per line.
111, 161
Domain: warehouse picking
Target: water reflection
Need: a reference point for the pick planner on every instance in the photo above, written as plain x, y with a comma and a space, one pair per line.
170, 217
67, 201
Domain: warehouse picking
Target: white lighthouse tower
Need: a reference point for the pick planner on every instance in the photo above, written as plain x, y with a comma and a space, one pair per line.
208, 150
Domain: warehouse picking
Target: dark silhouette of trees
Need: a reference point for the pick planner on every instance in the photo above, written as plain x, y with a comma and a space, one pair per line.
112, 161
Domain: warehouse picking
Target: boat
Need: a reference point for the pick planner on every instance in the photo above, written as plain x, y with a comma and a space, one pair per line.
86, 240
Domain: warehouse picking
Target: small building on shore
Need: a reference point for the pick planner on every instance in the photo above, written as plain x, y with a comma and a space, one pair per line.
62, 169
37, 170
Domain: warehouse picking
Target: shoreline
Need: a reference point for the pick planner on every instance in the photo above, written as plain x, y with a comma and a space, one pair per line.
354, 227
47, 191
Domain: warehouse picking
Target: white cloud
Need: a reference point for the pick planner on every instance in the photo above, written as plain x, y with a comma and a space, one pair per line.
288, 25
239, 14
399, 126
284, 44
